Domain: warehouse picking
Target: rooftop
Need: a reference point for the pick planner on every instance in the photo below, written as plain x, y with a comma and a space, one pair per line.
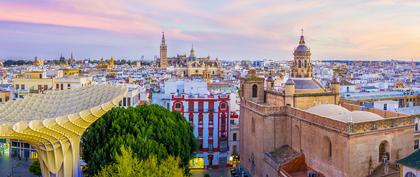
342, 114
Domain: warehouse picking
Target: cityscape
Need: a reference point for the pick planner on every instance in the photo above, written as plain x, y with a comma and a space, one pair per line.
209, 89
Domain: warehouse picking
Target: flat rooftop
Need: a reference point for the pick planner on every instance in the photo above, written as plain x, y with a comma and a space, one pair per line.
372, 95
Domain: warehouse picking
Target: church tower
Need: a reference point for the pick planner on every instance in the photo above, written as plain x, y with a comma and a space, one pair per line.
163, 53
302, 67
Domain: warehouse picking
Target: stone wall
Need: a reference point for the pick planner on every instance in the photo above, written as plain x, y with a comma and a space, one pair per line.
365, 146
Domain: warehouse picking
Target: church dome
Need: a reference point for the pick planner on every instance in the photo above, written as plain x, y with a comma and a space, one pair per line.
339, 113
328, 110
302, 48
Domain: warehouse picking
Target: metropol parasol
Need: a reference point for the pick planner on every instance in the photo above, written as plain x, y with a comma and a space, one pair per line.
53, 123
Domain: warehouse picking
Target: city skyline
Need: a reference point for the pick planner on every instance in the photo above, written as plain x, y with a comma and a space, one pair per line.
248, 29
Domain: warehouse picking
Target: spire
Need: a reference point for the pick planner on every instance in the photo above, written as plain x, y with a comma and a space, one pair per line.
302, 39
163, 38
192, 51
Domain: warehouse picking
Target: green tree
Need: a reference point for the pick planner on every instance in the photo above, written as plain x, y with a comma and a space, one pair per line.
146, 130
127, 165
35, 168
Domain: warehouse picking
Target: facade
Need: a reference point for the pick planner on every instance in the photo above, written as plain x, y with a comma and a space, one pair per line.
38, 81
132, 98
305, 122
190, 66
207, 113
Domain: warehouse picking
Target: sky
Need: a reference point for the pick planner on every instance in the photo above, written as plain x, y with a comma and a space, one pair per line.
227, 29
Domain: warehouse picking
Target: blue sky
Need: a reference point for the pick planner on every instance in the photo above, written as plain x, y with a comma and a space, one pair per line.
234, 29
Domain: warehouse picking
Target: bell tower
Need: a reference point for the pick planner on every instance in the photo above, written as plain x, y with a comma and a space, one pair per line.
163, 53
252, 87
302, 67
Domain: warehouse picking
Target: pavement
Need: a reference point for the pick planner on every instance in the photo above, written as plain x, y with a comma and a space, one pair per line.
20, 167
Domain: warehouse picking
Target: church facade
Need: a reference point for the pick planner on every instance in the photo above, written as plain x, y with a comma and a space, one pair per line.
189, 66
303, 127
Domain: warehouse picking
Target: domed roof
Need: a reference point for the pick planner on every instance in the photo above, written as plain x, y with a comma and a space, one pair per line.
302, 48
358, 116
290, 82
328, 110
342, 114
270, 78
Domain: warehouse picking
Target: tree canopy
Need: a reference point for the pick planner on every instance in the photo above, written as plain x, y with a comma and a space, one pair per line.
145, 129
127, 165
35, 168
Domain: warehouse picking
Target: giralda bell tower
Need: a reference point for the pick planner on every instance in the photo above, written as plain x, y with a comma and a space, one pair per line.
163, 53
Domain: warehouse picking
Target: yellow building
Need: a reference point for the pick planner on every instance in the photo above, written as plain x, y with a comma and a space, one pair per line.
32, 82
38, 61
4, 96
106, 65
36, 82
66, 83
71, 71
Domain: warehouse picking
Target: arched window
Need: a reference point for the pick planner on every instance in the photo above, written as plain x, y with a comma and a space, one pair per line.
409, 174
299, 64
383, 151
254, 90
306, 63
327, 148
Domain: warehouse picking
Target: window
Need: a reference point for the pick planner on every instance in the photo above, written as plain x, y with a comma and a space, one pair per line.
45, 87
210, 147
253, 125
57, 86
254, 90
211, 106
6, 99
409, 174
125, 102
385, 107
62, 86
235, 149
129, 101
1, 100
416, 144
223, 106
210, 119
234, 137
40, 75
210, 132
191, 106
168, 106
201, 144
200, 106
191, 119
200, 133
200, 119
22, 87
17, 86
416, 127
68, 86
177, 105
327, 148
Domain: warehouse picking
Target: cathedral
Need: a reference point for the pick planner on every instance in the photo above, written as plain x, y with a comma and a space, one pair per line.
189, 66
303, 128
